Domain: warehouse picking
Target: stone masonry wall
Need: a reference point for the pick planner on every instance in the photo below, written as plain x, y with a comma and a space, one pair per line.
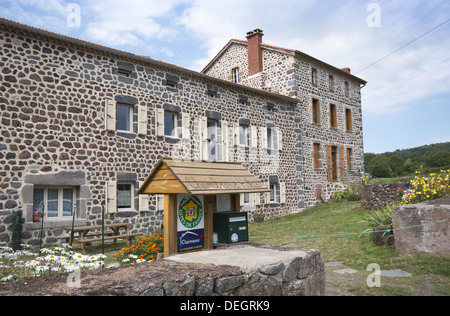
378, 196
52, 132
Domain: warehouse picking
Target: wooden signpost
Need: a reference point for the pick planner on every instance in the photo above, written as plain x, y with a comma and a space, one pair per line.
190, 198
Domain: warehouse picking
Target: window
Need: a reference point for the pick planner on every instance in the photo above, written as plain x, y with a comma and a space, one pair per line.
57, 203
212, 139
331, 83
333, 116
316, 111
349, 159
270, 136
273, 193
124, 73
347, 89
244, 135
314, 76
235, 74
246, 198
124, 117
125, 196
316, 155
348, 120
170, 124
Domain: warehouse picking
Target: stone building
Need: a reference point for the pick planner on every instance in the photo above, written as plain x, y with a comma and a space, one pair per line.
83, 125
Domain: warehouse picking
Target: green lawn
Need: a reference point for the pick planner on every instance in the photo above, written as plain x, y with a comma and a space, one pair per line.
355, 252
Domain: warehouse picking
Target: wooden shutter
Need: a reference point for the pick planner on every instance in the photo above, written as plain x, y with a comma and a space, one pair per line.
224, 130
185, 126
204, 139
316, 156
282, 193
237, 139
110, 115
329, 164
144, 200
342, 163
142, 120
111, 197
257, 200
159, 115
254, 136
280, 139
263, 132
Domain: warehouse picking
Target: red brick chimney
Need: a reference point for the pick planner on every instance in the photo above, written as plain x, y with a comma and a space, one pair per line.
255, 58
347, 70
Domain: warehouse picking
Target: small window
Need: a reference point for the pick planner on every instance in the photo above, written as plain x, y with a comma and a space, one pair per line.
56, 203
235, 74
124, 73
316, 111
316, 155
125, 196
314, 76
170, 124
331, 82
348, 120
171, 84
244, 135
347, 89
246, 198
124, 117
212, 94
270, 140
333, 116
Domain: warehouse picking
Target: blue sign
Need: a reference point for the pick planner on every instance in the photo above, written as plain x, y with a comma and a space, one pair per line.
191, 240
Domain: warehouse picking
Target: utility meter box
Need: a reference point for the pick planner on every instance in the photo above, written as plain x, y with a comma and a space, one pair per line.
231, 227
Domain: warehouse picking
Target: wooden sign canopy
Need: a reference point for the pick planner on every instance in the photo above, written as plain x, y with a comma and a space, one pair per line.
201, 178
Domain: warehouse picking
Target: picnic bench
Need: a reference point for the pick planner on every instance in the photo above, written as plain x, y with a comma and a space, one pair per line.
112, 232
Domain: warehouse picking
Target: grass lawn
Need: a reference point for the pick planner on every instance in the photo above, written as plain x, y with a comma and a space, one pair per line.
431, 272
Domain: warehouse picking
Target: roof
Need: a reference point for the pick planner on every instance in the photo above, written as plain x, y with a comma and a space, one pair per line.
139, 58
201, 178
287, 51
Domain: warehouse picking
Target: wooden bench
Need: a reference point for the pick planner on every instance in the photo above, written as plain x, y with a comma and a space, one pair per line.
85, 239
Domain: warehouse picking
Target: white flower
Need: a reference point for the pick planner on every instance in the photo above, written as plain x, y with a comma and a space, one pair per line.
125, 260
41, 269
7, 278
140, 260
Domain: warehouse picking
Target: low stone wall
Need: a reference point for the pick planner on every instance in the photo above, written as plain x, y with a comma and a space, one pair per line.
424, 236
299, 276
378, 196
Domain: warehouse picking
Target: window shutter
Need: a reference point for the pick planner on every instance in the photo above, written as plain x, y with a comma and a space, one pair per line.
241, 199
268, 195
280, 139
186, 126
254, 136
257, 199
111, 197
263, 132
282, 193
159, 115
160, 202
225, 141
237, 140
142, 120
110, 115
329, 164
144, 200
342, 163
204, 139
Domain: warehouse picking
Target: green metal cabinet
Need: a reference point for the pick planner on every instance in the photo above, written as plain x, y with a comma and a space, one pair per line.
231, 227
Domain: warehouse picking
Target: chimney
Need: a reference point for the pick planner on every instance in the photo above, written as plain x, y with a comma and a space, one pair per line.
347, 70
255, 58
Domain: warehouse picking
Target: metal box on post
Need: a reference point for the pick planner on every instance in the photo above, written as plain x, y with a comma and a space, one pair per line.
231, 227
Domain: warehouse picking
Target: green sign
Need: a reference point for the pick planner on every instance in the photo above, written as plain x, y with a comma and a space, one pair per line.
190, 212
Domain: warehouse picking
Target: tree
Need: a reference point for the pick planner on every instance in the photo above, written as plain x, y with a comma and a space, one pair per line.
440, 159
379, 167
396, 163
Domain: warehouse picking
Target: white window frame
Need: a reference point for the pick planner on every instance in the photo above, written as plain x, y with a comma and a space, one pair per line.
235, 74
244, 135
60, 216
133, 196
273, 187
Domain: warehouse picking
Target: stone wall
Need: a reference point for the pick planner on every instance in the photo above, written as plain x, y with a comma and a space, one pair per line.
301, 276
378, 196
424, 236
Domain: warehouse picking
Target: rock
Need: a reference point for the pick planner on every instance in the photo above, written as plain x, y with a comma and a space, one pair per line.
273, 269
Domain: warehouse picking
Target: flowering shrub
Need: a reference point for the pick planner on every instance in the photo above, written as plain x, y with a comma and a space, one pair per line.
435, 186
19, 264
145, 249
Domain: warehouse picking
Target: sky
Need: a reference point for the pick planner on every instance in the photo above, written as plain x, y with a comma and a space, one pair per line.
401, 48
